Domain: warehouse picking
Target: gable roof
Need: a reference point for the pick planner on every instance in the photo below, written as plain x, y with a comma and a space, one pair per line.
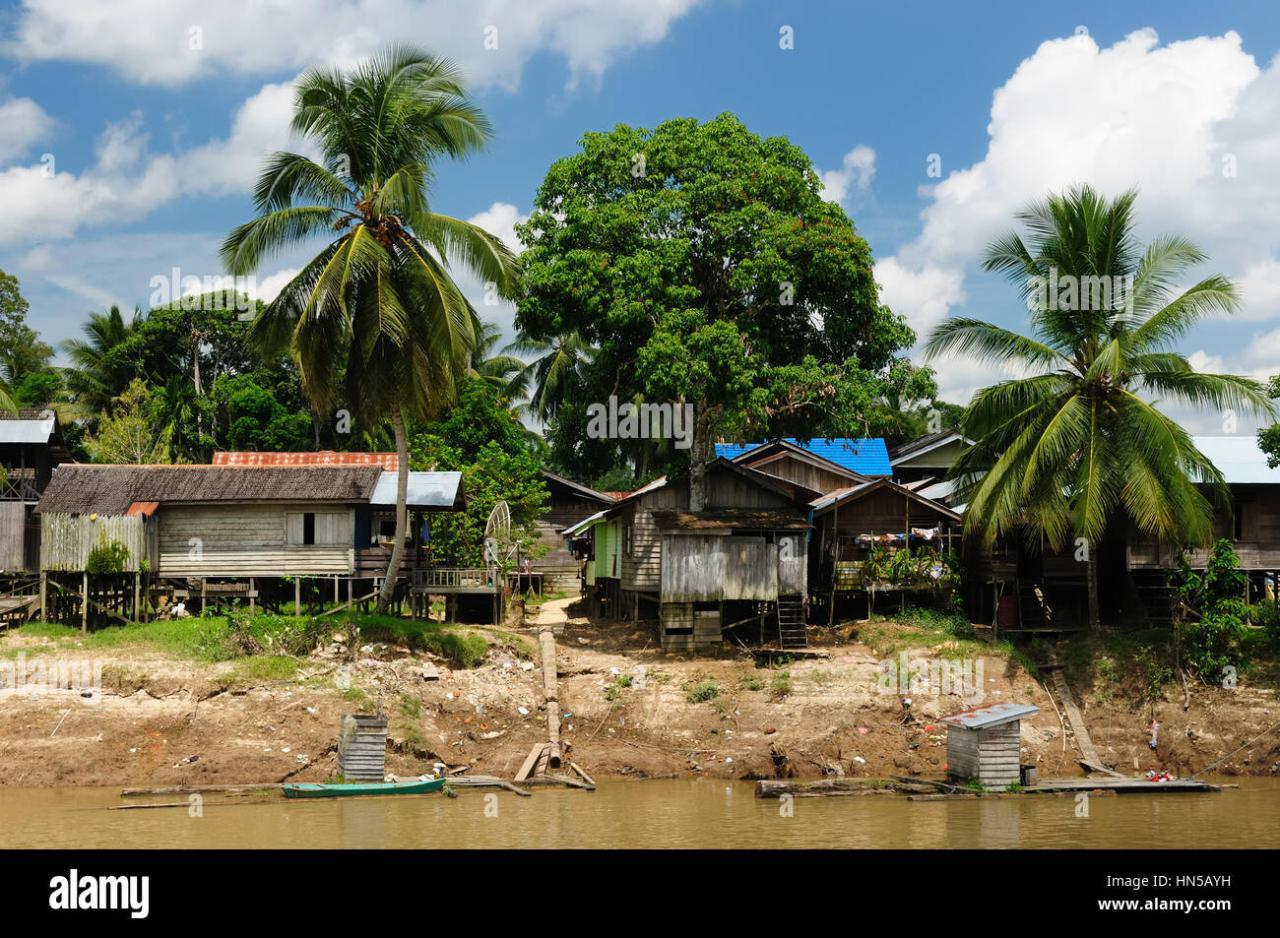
866, 457
388, 461
841, 496
111, 490
1239, 458
583, 491
926, 444
778, 449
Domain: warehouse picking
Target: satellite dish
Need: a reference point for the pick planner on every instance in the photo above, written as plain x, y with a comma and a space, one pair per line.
498, 544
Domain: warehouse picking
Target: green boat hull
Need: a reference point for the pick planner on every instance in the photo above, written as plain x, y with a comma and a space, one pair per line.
359, 789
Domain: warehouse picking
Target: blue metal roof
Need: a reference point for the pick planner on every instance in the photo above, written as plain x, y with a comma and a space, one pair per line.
868, 457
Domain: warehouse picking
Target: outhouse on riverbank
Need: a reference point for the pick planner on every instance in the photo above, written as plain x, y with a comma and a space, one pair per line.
984, 744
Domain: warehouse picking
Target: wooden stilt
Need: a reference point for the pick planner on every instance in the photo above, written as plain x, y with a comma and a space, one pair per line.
44, 597
253, 599
84, 602
297, 596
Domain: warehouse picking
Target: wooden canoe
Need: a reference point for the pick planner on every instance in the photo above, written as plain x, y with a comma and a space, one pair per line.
355, 789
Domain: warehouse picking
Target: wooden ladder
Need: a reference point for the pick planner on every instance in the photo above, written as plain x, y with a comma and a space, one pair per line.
791, 631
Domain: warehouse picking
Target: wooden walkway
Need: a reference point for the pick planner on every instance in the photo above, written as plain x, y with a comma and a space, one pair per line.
1088, 754
15, 610
1118, 784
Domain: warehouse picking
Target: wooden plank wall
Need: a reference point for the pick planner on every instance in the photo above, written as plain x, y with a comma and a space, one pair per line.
66, 540
13, 528
252, 540
787, 466
710, 568
989, 755
641, 566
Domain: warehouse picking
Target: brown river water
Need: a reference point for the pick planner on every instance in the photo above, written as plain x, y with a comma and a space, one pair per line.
658, 813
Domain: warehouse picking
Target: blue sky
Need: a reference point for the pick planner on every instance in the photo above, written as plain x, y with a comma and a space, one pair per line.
154, 142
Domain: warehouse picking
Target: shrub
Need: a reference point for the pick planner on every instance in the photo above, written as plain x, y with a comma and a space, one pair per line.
107, 557
780, 686
1211, 639
701, 693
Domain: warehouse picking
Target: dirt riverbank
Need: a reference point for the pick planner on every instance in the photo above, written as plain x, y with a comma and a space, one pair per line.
629, 710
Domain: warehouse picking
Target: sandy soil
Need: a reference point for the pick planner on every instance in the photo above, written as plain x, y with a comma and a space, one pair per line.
161, 721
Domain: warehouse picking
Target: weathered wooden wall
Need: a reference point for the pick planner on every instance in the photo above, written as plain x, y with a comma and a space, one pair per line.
788, 466
254, 540
709, 568
989, 755
13, 529
642, 564
67, 540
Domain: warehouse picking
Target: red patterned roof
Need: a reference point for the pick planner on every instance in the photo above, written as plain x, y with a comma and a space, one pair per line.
387, 461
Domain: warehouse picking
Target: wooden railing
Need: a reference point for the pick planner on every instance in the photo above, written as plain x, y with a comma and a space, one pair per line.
19, 490
453, 578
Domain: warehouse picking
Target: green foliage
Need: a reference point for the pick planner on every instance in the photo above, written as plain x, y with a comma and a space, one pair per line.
107, 557
1212, 635
615, 687
479, 438
256, 420
702, 264
21, 351
703, 692
1269, 437
127, 434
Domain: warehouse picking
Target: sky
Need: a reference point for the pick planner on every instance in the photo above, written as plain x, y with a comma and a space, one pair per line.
131, 131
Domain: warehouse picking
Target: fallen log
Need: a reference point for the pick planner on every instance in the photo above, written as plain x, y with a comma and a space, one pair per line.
776, 788
485, 781
551, 690
581, 774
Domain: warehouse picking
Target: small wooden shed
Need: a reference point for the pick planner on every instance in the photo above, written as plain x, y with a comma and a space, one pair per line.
984, 744
362, 747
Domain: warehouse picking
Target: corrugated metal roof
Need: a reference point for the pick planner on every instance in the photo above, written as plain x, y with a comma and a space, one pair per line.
388, 461
990, 715
1239, 459
868, 457
586, 523
26, 429
426, 489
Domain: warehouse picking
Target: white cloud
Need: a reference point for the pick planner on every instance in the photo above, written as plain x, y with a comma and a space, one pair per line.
25, 124
501, 219
857, 169
268, 288
1194, 125
922, 295
171, 42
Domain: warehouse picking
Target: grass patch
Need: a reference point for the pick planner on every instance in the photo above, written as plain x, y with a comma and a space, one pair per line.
750, 682
411, 706
822, 678
703, 692
463, 648
780, 687
255, 669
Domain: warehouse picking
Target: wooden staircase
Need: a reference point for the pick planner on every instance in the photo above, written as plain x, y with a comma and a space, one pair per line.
1156, 595
791, 631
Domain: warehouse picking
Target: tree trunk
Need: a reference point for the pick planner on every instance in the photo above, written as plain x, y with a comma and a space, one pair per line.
698, 460
387, 592
1095, 620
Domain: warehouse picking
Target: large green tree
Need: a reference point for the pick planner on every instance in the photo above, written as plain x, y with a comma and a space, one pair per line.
704, 265
376, 313
21, 351
1079, 443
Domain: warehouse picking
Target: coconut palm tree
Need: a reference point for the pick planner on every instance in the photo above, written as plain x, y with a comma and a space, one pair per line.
1078, 441
503, 372
7, 404
96, 377
376, 315
556, 361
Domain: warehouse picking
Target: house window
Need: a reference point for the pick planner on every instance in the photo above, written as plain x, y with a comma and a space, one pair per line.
318, 529
628, 539
1238, 521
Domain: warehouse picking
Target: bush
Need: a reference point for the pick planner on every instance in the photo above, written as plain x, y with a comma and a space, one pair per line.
107, 557
701, 693
1211, 638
